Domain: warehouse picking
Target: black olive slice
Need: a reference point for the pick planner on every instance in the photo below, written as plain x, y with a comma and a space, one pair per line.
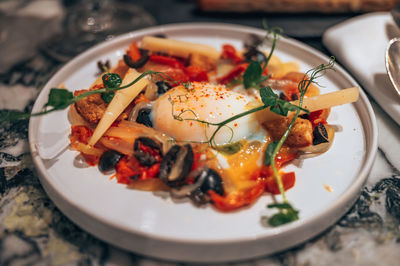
143, 117
320, 134
108, 160
176, 165
146, 158
162, 87
212, 181
198, 197
139, 63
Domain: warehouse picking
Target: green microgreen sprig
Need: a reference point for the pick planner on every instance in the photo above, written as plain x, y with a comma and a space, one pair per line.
253, 76
60, 99
286, 213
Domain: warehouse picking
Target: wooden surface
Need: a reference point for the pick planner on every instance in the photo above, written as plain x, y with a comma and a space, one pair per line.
297, 6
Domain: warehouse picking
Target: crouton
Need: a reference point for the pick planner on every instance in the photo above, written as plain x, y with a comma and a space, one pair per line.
91, 108
300, 135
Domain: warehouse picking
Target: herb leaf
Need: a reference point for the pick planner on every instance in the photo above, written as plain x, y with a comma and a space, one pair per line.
268, 97
278, 106
269, 151
286, 214
230, 148
59, 98
252, 77
283, 107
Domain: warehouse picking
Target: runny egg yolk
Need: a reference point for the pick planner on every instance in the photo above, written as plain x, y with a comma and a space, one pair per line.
205, 102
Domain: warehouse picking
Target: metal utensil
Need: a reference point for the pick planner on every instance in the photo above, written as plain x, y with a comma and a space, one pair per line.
393, 62
395, 13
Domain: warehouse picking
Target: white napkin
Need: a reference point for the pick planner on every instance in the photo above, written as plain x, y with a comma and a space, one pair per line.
360, 45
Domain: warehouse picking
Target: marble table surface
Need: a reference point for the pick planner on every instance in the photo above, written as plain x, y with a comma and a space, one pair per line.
34, 232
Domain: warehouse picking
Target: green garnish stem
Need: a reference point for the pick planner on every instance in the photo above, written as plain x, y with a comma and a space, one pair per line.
277, 176
223, 123
275, 40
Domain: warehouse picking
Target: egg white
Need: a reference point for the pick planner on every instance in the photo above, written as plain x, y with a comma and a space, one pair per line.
205, 102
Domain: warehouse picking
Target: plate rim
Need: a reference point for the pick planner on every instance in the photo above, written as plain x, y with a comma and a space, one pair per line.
345, 202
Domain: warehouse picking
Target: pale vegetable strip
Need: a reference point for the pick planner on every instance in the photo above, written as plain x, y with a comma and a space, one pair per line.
178, 48
118, 104
318, 102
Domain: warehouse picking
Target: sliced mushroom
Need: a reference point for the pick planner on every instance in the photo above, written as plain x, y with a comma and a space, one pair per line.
176, 165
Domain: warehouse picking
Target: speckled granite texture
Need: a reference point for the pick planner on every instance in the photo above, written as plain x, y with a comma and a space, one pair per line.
34, 232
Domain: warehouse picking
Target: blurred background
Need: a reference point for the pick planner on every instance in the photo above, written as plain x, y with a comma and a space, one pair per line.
36, 36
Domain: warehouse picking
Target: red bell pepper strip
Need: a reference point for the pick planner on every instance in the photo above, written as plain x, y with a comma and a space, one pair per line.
239, 69
229, 52
196, 73
316, 118
166, 60
235, 201
129, 170
175, 76
134, 52
288, 180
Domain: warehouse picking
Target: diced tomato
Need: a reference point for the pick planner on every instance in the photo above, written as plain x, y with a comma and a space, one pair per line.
316, 118
284, 157
153, 152
175, 76
196, 73
167, 60
91, 160
151, 172
292, 92
79, 138
129, 169
124, 173
294, 76
288, 180
133, 52
229, 52
239, 69
235, 201
81, 134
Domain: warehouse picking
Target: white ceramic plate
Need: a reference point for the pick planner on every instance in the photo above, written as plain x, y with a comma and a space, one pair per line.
156, 226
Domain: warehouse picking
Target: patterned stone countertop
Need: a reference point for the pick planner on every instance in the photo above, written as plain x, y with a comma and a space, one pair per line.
34, 232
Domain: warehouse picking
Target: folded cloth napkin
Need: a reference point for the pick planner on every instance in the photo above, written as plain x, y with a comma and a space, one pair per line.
360, 45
